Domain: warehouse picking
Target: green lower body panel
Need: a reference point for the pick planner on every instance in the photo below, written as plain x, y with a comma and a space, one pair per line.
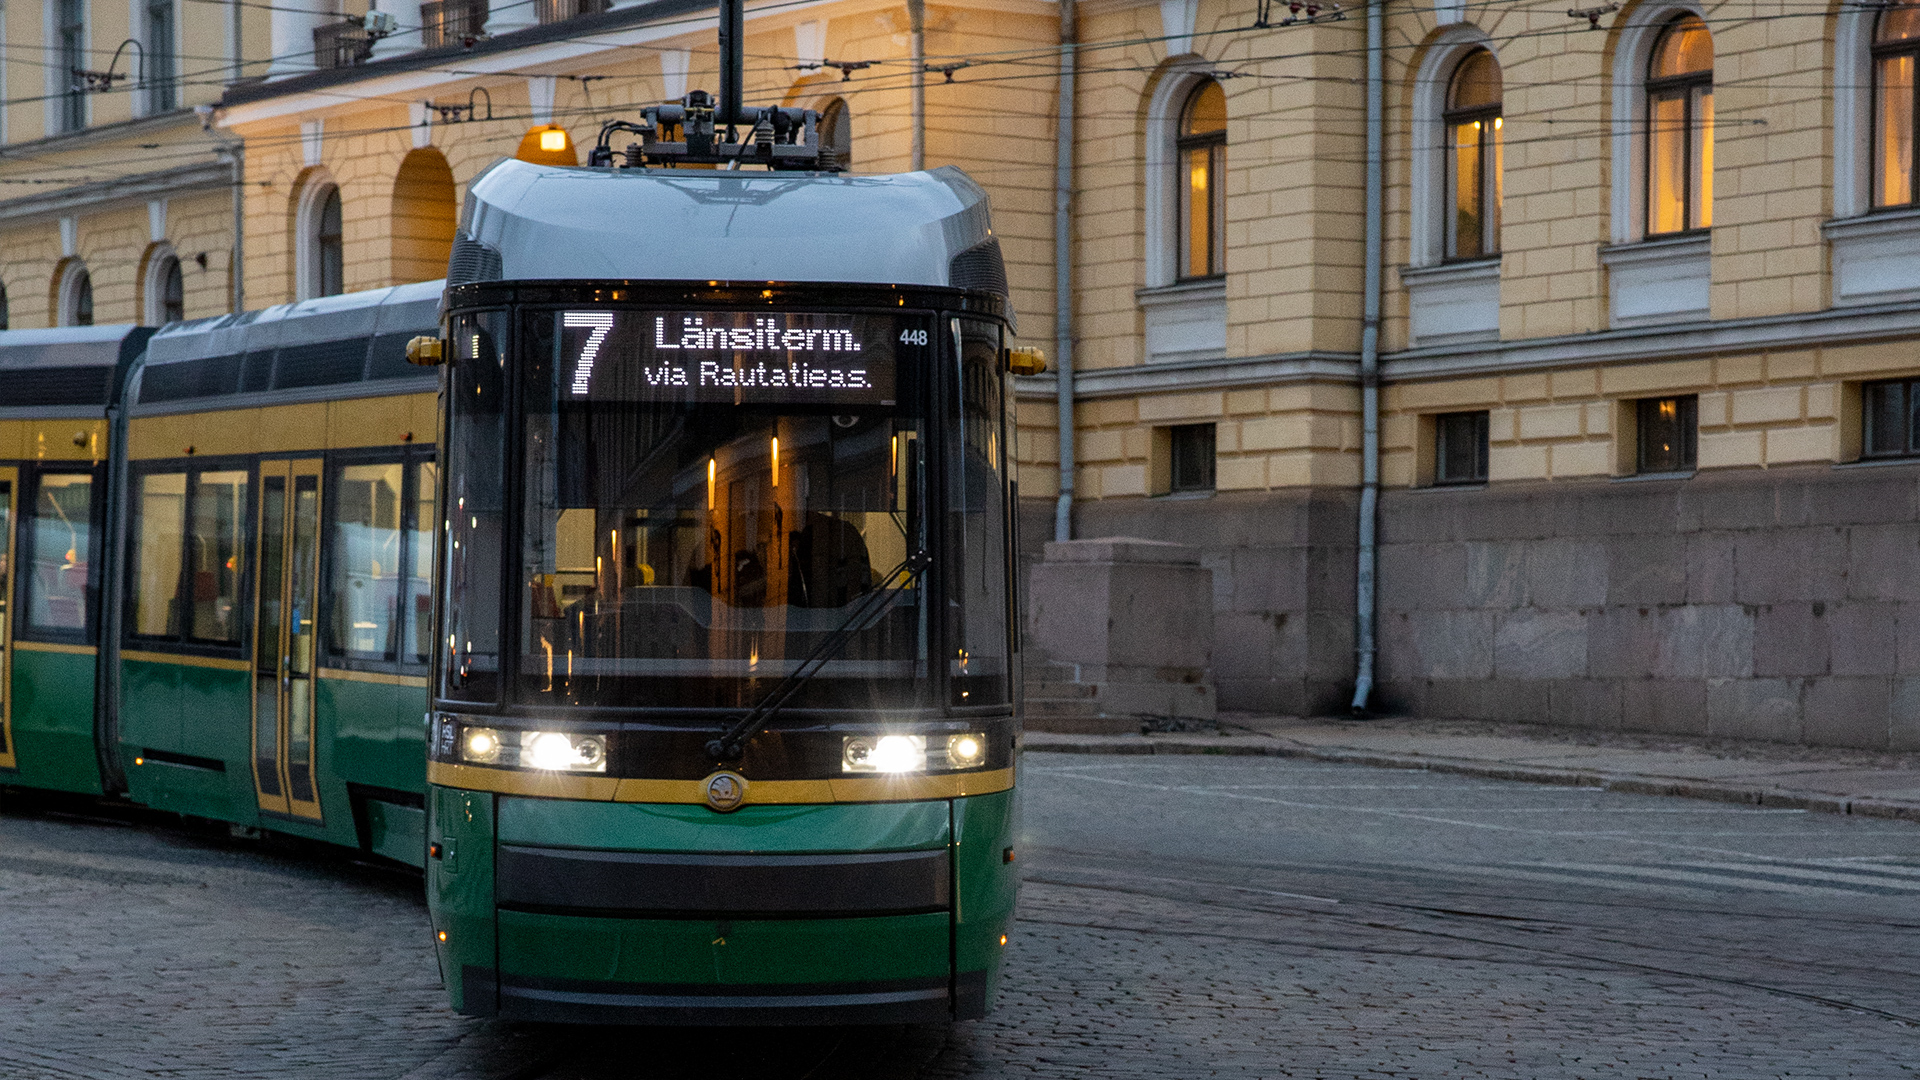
53, 737
668, 914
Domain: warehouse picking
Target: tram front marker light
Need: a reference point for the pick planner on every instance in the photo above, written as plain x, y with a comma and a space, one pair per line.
911, 754
552, 751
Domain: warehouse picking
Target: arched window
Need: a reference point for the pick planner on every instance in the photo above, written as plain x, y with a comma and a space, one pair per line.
836, 131
75, 294
1896, 49
5, 322
426, 211
329, 245
1680, 129
320, 264
1202, 153
163, 289
1474, 157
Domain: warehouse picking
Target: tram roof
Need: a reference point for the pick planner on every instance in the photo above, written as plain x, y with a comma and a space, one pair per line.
65, 370
538, 222
351, 345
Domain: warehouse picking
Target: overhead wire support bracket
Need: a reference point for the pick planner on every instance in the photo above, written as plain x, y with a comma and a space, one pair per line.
1299, 12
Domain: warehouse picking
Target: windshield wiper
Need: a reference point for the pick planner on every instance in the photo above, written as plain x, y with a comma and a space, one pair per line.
734, 739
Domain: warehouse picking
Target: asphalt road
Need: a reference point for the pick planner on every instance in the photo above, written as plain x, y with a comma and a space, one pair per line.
1183, 917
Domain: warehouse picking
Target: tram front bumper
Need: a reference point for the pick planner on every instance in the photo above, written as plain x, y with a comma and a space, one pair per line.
668, 914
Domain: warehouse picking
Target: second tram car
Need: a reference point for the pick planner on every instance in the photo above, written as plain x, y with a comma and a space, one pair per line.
724, 719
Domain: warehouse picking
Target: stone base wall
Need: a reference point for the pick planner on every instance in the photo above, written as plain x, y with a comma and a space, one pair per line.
1283, 569
1781, 605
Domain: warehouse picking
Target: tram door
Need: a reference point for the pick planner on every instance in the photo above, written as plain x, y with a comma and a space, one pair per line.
287, 576
9, 484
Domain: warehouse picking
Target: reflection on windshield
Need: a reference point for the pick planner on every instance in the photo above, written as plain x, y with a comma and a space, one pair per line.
693, 554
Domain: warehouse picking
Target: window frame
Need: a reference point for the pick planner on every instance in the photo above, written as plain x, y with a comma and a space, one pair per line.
1482, 421
1684, 87
1212, 463
181, 640
409, 457
1877, 51
1909, 387
159, 57
1215, 144
1487, 175
69, 103
1688, 407
310, 253
25, 514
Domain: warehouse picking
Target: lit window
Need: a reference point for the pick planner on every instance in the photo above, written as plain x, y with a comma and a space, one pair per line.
1669, 431
1896, 48
1460, 448
1202, 156
1474, 157
1680, 129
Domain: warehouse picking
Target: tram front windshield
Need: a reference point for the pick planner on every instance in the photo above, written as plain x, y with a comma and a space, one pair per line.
711, 495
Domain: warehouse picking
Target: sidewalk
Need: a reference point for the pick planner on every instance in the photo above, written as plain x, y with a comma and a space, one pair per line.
1826, 779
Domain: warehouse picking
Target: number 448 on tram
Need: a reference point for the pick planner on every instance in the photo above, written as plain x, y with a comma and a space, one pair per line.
724, 726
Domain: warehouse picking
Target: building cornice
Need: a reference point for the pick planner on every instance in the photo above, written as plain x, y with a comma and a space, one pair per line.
102, 133
1279, 369
1678, 341
206, 176
1847, 326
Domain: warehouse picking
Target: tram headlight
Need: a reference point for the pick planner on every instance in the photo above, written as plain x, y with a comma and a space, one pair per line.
912, 753
552, 751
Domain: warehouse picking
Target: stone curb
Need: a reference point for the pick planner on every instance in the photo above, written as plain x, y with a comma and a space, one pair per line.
1633, 783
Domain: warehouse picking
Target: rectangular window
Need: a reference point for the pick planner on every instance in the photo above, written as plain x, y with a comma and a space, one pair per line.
1460, 448
1191, 457
426, 489
71, 26
367, 566
162, 92
160, 512
1888, 428
219, 512
1893, 152
1667, 164
977, 598
60, 571
1669, 434
188, 555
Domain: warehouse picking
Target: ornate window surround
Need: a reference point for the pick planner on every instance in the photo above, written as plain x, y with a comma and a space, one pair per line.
153, 282
1429, 206
1184, 320
306, 225
1631, 55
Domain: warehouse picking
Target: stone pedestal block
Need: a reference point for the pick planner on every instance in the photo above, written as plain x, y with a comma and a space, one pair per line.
1126, 628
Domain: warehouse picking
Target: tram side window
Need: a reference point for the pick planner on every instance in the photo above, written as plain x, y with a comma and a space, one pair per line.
977, 590
59, 572
160, 543
218, 514
189, 555
382, 550
477, 444
426, 518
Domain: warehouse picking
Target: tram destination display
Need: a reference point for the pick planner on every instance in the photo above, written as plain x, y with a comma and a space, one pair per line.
733, 357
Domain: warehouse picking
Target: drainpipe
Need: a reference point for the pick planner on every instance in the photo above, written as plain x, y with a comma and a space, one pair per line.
1365, 599
238, 150
917, 26
1063, 269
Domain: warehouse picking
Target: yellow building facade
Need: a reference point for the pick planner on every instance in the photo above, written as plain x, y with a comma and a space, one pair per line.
1648, 291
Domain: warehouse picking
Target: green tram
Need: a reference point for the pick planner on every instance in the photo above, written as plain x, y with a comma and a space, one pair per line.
694, 556
215, 543
724, 719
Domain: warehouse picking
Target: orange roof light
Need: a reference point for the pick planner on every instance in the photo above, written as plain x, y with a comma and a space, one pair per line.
548, 144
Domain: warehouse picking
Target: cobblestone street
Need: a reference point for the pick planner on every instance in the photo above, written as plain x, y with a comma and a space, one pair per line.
1182, 917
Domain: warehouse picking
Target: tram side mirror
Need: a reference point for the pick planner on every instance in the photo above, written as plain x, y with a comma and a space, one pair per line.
426, 351
1026, 360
